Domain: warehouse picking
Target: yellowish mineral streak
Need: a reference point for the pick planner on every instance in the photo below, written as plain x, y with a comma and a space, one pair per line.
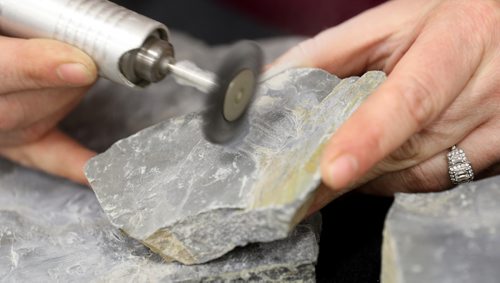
278, 189
389, 273
167, 241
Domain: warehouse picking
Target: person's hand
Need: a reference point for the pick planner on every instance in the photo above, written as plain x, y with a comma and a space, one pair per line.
443, 88
40, 82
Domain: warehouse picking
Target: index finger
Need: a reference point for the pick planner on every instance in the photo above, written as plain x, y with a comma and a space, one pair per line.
424, 82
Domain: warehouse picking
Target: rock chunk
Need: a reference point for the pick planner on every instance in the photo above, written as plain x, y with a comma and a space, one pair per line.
451, 236
193, 201
55, 231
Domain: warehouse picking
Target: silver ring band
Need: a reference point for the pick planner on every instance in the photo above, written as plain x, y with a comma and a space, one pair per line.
459, 167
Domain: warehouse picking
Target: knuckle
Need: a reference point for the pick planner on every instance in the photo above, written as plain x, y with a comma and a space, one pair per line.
374, 137
36, 61
483, 12
11, 115
476, 18
34, 132
420, 179
26, 71
30, 135
35, 74
408, 151
7, 124
418, 100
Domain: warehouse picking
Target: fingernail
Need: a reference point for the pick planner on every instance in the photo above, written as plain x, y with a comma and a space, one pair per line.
343, 171
75, 74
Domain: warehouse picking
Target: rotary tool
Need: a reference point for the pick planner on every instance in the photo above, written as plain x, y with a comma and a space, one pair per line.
135, 51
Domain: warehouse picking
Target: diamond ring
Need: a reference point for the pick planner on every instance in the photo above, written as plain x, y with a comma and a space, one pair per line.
459, 167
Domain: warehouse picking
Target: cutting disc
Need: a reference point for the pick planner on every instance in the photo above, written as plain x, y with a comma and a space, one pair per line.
225, 117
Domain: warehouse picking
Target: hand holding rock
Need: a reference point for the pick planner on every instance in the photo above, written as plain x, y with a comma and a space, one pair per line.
443, 89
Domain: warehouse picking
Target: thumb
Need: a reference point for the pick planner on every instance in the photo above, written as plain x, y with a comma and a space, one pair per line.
56, 154
42, 63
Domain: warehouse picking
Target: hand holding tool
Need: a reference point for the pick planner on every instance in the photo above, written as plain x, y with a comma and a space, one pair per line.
135, 51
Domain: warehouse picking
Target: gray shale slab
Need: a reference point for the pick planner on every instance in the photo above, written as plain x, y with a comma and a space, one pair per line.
193, 201
52, 230
452, 236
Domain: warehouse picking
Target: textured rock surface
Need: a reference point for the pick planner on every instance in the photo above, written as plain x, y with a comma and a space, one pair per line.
54, 231
452, 236
193, 201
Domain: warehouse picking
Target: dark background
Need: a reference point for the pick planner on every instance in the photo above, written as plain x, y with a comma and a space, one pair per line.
350, 249
209, 20
223, 21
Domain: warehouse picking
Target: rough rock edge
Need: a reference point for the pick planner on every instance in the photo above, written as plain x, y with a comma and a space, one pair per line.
275, 273
357, 86
300, 205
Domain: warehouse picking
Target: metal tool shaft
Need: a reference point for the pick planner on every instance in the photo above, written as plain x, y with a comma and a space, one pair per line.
187, 73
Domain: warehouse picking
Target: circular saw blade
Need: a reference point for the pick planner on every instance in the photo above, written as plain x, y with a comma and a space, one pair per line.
226, 106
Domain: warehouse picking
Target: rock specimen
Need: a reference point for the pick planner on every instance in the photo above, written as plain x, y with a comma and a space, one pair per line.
451, 236
193, 201
52, 230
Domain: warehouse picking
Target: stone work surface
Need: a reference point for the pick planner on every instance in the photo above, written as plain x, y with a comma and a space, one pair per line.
452, 236
193, 201
54, 231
